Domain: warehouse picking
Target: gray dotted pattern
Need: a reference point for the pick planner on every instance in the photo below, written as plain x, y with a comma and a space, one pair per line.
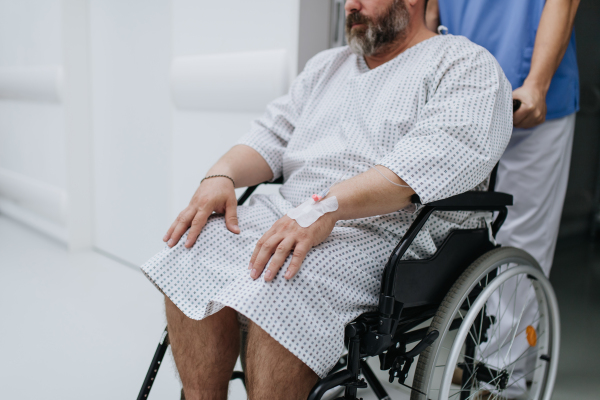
439, 115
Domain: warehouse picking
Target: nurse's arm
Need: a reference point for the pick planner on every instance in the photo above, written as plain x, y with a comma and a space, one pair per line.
551, 42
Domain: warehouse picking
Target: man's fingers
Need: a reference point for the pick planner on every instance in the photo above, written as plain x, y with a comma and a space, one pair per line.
259, 245
182, 224
266, 248
281, 253
196, 227
231, 220
300, 252
170, 231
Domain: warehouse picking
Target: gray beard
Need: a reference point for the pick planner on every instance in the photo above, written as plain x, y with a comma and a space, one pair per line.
381, 33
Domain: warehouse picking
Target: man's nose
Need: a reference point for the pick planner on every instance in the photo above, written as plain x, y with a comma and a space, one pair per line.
352, 6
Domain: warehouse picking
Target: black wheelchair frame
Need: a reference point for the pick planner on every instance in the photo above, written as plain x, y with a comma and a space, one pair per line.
411, 292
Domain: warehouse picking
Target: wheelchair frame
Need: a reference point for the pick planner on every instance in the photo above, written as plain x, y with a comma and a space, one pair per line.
403, 303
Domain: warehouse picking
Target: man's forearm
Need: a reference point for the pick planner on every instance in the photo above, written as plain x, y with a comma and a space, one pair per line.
551, 41
370, 194
244, 164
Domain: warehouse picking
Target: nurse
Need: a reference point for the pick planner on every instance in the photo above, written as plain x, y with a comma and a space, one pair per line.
534, 42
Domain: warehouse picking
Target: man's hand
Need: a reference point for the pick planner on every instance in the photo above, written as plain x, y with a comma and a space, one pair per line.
284, 237
361, 196
533, 106
214, 194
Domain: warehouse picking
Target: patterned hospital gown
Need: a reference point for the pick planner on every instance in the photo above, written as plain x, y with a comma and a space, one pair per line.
439, 115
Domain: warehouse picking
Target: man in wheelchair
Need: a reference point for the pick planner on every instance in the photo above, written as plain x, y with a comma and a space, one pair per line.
431, 113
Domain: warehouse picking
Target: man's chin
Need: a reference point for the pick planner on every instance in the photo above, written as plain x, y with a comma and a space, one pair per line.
358, 48
358, 32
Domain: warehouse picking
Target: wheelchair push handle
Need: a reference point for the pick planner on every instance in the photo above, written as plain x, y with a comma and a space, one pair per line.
516, 105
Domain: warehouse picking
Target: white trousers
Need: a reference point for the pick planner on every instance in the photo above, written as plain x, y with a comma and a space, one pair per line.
535, 170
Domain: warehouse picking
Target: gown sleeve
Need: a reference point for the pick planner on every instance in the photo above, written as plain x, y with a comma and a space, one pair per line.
461, 130
270, 134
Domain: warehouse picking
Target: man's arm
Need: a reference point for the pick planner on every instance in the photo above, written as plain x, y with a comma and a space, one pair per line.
369, 194
244, 164
551, 42
246, 167
362, 196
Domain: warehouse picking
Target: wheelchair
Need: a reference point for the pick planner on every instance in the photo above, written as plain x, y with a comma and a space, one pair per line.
448, 308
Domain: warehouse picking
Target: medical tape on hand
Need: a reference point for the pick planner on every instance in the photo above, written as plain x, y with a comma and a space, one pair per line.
310, 211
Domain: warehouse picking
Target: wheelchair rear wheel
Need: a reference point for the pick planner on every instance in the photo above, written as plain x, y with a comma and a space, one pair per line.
499, 334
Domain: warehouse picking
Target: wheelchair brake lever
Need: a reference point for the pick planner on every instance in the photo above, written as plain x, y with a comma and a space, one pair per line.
403, 362
423, 344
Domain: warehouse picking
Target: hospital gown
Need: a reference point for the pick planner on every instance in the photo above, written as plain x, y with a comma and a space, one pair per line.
439, 115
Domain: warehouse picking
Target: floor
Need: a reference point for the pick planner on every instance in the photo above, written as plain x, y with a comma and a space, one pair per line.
576, 280
84, 326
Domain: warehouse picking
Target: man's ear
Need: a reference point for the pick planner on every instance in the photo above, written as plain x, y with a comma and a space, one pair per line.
412, 3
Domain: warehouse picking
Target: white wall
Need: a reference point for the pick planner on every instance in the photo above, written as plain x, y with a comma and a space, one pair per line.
93, 149
31, 132
131, 56
148, 155
200, 137
32, 136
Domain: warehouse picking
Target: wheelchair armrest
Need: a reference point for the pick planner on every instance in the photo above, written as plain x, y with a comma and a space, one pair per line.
278, 181
248, 192
470, 201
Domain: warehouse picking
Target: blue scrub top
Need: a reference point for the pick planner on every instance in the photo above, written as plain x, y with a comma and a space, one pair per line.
507, 29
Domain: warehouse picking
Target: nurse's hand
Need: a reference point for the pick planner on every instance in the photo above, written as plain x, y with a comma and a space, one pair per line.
214, 194
284, 237
533, 106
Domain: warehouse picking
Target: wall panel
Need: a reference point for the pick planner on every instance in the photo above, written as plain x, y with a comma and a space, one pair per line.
32, 137
203, 28
131, 56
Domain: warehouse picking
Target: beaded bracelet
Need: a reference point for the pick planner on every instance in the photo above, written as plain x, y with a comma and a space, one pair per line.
218, 176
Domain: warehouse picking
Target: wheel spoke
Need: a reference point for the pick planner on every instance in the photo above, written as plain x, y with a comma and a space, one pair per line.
495, 351
488, 361
470, 334
523, 375
527, 303
497, 327
526, 352
525, 329
498, 322
514, 309
522, 355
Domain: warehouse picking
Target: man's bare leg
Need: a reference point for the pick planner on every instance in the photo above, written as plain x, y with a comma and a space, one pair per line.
272, 371
205, 351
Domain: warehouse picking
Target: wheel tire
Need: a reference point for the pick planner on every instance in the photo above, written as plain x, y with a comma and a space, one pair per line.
455, 298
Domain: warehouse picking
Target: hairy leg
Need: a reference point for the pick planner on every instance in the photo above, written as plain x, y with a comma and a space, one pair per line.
205, 351
272, 371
